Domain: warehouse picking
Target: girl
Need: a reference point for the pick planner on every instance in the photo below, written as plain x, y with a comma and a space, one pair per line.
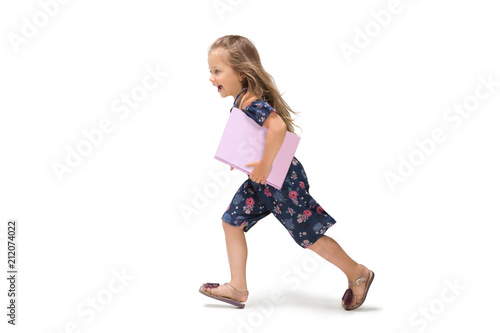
236, 70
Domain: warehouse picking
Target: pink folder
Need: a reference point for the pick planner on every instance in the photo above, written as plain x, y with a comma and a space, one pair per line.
243, 141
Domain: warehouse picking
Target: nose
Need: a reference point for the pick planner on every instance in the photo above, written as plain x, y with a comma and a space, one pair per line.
211, 78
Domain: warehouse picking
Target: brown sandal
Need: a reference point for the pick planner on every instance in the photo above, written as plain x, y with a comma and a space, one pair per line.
236, 294
348, 295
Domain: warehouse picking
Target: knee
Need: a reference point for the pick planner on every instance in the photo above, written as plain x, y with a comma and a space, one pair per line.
316, 246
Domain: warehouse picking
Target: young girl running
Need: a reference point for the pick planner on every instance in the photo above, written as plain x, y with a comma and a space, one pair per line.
236, 70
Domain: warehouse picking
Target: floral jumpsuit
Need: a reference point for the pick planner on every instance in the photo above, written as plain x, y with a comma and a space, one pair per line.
292, 205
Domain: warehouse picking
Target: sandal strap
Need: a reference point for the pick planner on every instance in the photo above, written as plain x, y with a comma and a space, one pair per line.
236, 293
357, 282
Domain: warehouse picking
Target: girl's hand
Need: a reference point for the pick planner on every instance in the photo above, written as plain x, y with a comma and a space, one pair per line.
260, 172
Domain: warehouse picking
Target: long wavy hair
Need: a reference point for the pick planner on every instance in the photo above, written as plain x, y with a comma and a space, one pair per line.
243, 57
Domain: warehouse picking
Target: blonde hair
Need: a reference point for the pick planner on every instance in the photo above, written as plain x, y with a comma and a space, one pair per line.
243, 57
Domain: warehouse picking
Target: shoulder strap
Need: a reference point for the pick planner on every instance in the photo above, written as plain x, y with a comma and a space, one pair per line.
236, 99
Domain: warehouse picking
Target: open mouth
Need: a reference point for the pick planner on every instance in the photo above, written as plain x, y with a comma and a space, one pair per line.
219, 88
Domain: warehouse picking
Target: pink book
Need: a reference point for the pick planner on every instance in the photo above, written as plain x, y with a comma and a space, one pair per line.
243, 141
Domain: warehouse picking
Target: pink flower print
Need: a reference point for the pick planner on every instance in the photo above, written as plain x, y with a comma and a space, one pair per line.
306, 243
277, 209
293, 194
302, 185
294, 175
267, 192
249, 205
319, 209
294, 161
304, 216
290, 211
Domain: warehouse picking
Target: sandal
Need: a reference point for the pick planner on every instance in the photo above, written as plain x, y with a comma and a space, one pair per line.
348, 295
236, 294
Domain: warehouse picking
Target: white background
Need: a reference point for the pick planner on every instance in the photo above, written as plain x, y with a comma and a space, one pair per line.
119, 210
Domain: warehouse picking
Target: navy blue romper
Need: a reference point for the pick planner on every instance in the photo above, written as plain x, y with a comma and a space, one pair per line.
293, 206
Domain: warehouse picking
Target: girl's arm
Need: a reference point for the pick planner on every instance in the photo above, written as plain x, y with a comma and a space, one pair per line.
276, 131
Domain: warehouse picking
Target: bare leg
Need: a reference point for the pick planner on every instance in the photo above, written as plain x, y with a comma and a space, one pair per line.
330, 250
236, 246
